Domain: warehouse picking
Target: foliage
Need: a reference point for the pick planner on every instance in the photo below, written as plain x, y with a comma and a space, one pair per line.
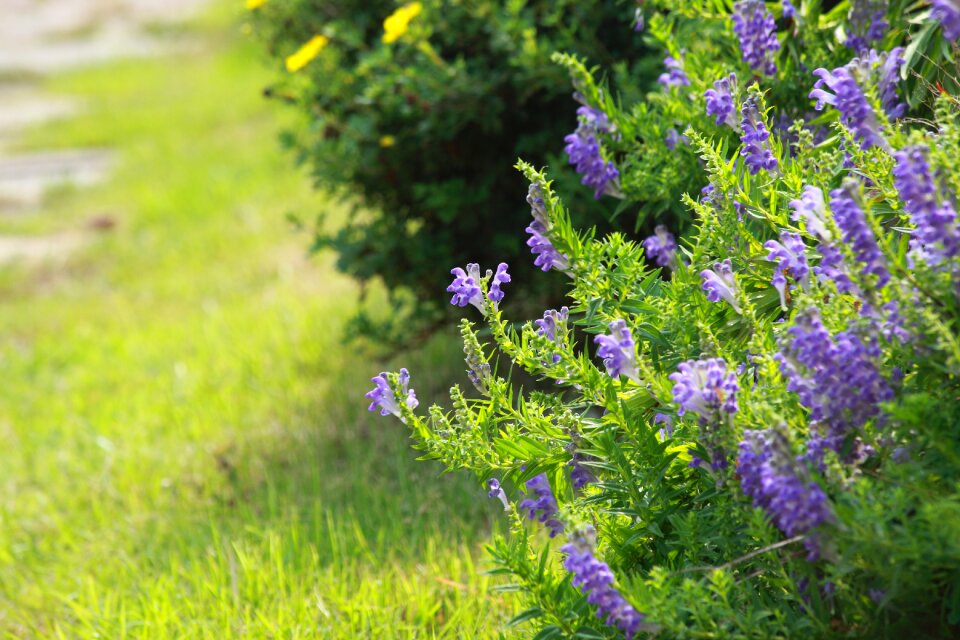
412, 109
770, 447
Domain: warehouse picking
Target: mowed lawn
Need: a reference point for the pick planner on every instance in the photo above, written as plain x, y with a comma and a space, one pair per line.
186, 451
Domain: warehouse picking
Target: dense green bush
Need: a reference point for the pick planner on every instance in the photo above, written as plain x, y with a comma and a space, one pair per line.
413, 108
765, 440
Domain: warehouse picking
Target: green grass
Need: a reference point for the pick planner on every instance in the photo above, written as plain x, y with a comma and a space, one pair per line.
186, 449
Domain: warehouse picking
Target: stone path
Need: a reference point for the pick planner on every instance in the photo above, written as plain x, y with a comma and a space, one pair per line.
43, 37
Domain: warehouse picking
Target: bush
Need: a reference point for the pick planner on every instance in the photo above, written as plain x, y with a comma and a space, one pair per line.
770, 447
414, 108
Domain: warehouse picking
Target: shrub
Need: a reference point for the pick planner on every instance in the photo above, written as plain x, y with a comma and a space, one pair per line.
414, 107
770, 447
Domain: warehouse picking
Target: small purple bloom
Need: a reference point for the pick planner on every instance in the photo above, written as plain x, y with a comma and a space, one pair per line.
811, 209
947, 13
757, 31
661, 247
583, 151
383, 398
541, 504
937, 235
675, 75
705, 388
720, 284
673, 138
831, 268
857, 233
848, 98
494, 490
867, 24
790, 255
466, 286
551, 325
789, 11
889, 65
499, 278
720, 101
595, 579
618, 351
756, 140
666, 431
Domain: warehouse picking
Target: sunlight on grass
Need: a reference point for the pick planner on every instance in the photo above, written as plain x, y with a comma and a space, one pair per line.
187, 449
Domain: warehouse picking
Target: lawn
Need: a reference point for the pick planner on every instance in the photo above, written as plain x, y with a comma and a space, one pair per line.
187, 451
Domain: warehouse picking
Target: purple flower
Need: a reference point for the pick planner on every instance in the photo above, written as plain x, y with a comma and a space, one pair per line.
583, 151
756, 140
383, 398
831, 268
580, 476
499, 278
789, 11
857, 233
889, 68
595, 579
541, 504
937, 235
720, 284
790, 256
705, 388
867, 23
756, 29
638, 22
675, 75
855, 112
673, 138
811, 209
551, 325
548, 257
466, 286
617, 351
494, 490
947, 13
836, 378
661, 246
778, 484
666, 430
720, 101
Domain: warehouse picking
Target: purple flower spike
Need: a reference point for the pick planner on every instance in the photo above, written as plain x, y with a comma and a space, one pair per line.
583, 151
499, 278
595, 579
661, 247
720, 284
866, 24
548, 257
617, 351
756, 140
382, 396
947, 13
755, 27
855, 112
831, 268
494, 490
857, 233
790, 256
705, 388
937, 235
779, 485
811, 209
675, 75
466, 286
541, 504
889, 65
720, 101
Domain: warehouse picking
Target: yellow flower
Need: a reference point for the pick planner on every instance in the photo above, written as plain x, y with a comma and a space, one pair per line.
397, 22
387, 141
306, 53
255, 4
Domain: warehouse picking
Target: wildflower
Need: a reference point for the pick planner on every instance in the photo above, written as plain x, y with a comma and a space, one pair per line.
579, 475
255, 4
720, 100
666, 430
675, 75
583, 151
466, 287
857, 233
499, 278
756, 140
661, 246
595, 579
720, 284
705, 388
866, 24
789, 254
383, 398
617, 351
494, 490
835, 377
947, 13
889, 65
772, 477
673, 138
810, 208
789, 11
547, 256
937, 235
551, 325
396, 24
755, 27
306, 53
542, 503
831, 268
855, 112
638, 22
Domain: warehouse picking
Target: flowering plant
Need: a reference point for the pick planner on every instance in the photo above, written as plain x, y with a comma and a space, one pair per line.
765, 441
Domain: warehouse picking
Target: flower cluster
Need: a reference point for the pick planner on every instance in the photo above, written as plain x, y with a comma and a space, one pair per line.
541, 504
720, 284
778, 483
618, 351
595, 579
675, 76
756, 140
857, 233
551, 325
720, 101
848, 98
937, 235
705, 388
547, 256
466, 285
790, 255
583, 151
382, 396
755, 27
661, 247
947, 13
867, 24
